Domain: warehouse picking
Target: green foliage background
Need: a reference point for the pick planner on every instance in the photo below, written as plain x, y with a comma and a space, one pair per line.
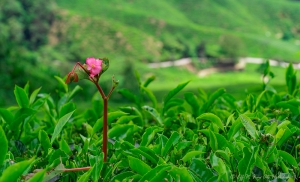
41, 39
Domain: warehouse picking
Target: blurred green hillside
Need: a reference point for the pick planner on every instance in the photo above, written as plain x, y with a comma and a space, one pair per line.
160, 30
40, 39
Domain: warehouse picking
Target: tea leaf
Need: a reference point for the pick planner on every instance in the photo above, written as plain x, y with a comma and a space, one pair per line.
33, 95
199, 168
44, 140
246, 164
249, 126
13, 172
21, 97
4, 146
173, 92
288, 157
110, 118
212, 118
188, 156
173, 140
157, 174
38, 177
149, 134
181, 174
59, 126
62, 83
138, 166
154, 113
151, 96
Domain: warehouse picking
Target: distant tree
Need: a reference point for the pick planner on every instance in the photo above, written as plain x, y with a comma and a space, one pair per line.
231, 48
24, 27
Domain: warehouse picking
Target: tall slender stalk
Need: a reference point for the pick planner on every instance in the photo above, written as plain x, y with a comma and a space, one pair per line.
73, 77
105, 128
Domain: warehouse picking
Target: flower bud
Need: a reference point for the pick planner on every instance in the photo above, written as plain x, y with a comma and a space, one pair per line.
72, 77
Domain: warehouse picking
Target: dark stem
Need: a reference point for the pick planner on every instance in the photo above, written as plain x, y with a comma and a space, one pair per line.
110, 92
105, 128
105, 125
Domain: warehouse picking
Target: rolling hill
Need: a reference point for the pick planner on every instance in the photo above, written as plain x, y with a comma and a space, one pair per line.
160, 30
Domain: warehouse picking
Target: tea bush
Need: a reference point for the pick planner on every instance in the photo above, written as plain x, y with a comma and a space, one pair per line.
199, 137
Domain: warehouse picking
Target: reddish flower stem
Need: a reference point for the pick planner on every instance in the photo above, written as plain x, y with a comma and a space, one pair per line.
105, 105
105, 124
105, 128
77, 169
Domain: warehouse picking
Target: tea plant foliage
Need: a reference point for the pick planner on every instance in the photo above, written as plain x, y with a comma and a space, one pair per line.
189, 137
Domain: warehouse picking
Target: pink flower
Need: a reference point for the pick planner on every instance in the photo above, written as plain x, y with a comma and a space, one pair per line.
94, 66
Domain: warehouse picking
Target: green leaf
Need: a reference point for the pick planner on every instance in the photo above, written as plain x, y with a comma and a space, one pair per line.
134, 111
249, 126
291, 79
74, 92
174, 102
234, 129
183, 145
173, 92
146, 152
213, 141
149, 80
55, 172
38, 177
21, 97
64, 146
149, 134
125, 119
62, 83
214, 96
181, 174
86, 176
151, 96
20, 116
13, 172
6, 115
121, 131
4, 146
246, 164
212, 118
33, 95
44, 140
191, 99
224, 154
154, 113
66, 108
122, 176
59, 126
199, 168
271, 129
283, 135
190, 155
259, 99
157, 174
97, 163
220, 167
26, 88
138, 166
110, 118
129, 95
173, 140
288, 157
